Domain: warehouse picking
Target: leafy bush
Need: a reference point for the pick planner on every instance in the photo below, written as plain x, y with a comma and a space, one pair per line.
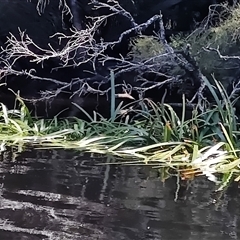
220, 30
145, 47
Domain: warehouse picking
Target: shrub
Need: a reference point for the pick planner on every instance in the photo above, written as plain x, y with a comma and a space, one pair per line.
144, 47
220, 30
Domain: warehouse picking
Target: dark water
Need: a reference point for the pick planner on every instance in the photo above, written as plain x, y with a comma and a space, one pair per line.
57, 194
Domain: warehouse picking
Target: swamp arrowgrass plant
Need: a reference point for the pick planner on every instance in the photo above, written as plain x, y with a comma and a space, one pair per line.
206, 144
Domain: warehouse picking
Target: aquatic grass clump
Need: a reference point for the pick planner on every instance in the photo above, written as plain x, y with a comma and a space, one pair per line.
205, 144
18, 126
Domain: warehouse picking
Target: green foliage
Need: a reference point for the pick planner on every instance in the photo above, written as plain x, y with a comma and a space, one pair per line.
145, 47
221, 31
207, 143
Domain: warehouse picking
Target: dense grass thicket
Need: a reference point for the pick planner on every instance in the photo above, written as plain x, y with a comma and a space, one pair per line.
207, 143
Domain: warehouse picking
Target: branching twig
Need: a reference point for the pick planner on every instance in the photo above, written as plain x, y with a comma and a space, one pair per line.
81, 48
224, 57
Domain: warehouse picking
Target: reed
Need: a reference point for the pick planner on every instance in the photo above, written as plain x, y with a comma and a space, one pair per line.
207, 144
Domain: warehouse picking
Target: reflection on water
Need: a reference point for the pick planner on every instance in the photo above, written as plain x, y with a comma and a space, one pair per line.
57, 194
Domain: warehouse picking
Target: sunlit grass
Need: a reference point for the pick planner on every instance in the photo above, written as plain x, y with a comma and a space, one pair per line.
206, 144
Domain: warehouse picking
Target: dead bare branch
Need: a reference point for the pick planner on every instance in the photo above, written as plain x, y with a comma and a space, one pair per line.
81, 48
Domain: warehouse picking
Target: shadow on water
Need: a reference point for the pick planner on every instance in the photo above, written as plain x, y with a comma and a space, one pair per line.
57, 194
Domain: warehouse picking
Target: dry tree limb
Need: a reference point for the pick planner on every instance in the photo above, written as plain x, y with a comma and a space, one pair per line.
115, 7
224, 57
81, 48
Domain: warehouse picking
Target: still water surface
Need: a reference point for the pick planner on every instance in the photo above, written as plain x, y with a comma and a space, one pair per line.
57, 194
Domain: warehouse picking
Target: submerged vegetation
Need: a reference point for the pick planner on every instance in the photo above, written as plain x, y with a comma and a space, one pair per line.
207, 143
